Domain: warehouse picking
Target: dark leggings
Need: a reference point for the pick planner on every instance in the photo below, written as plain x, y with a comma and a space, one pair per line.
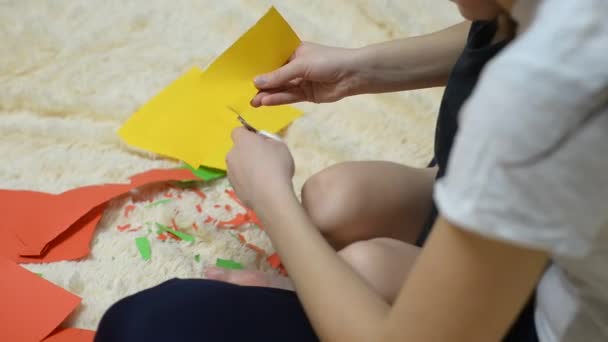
205, 310
184, 310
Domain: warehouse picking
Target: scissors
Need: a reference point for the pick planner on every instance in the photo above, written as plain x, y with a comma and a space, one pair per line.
253, 129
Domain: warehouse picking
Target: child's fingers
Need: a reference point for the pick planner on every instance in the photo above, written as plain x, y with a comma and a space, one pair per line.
257, 99
288, 96
281, 76
248, 278
278, 97
239, 277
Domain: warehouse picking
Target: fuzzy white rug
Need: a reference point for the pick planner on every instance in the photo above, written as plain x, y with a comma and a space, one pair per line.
71, 71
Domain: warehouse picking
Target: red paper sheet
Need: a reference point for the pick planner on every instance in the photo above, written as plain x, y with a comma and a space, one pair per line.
72, 244
38, 218
31, 306
71, 335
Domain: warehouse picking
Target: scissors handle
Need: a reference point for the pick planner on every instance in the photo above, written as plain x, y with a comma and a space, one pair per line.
270, 136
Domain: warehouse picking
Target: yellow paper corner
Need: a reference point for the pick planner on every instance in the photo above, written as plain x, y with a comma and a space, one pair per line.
189, 120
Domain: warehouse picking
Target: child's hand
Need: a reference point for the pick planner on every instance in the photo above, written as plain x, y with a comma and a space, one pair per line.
314, 73
260, 169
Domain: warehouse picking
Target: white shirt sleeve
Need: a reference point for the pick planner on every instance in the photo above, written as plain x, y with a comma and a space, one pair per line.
500, 182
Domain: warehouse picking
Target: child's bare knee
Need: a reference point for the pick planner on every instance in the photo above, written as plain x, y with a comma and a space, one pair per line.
364, 257
325, 196
383, 263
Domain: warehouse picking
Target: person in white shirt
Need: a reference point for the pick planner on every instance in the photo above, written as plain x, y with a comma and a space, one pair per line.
530, 163
527, 185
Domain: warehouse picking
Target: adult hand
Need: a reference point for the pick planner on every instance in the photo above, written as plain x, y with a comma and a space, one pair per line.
314, 73
259, 169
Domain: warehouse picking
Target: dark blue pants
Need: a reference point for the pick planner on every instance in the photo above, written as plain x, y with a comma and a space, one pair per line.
185, 310
188, 310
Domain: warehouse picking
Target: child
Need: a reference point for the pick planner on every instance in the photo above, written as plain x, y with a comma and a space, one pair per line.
512, 197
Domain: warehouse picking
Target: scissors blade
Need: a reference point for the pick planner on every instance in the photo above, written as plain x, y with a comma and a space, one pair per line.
242, 121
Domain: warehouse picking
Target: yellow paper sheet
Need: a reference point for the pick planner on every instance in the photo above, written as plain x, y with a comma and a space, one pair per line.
190, 120
264, 47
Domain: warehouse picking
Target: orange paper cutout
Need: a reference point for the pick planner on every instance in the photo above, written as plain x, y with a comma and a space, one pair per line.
38, 218
31, 306
71, 335
72, 244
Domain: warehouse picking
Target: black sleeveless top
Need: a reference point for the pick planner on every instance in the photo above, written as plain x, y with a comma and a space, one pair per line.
463, 78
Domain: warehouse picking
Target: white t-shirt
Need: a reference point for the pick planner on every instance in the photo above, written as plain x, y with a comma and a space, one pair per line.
505, 181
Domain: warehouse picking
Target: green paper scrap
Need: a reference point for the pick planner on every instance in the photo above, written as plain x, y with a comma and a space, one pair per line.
197, 258
186, 237
157, 203
40, 275
186, 184
224, 263
143, 245
206, 173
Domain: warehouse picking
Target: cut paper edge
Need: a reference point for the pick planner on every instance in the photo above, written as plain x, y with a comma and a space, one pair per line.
35, 233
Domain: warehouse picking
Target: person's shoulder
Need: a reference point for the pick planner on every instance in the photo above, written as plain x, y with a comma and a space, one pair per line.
549, 77
575, 20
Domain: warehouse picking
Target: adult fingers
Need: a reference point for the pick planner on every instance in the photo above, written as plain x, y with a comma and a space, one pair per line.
281, 76
288, 96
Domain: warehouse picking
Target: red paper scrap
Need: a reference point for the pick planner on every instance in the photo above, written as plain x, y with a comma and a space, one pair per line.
128, 209
123, 227
232, 194
200, 194
32, 307
252, 217
173, 224
71, 335
134, 229
255, 248
237, 221
72, 244
274, 260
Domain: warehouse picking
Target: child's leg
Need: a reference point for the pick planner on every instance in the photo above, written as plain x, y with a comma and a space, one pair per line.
365, 210
383, 263
356, 201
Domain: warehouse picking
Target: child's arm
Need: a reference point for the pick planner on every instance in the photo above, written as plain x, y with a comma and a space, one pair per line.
462, 288
411, 63
318, 73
